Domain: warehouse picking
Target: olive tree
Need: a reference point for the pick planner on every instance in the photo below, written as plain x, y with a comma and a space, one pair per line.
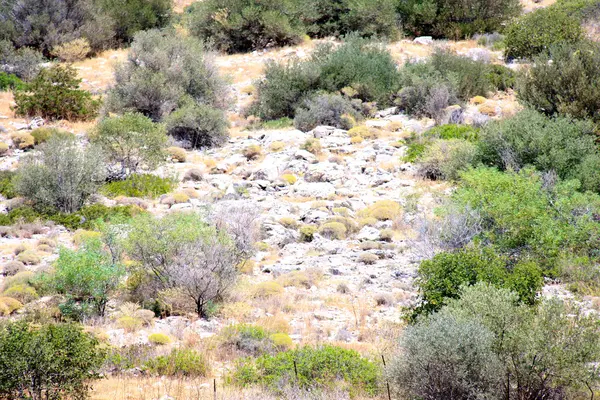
445, 357
166, 73
132, 142
182, 251
62, 173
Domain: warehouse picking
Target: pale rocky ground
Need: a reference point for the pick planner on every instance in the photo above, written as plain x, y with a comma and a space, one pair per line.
344, 175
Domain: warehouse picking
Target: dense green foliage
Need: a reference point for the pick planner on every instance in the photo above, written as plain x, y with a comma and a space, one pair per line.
179, 362
61, 174
243, 25
442, 277
139, 185
43, 25
132, 143
10, 82
87, 275
455, 19
366, 70
567, 85
560, 144
23, 62
84, 218
526, 215
47, 362
55, 94
536, 32
324, 18
167, 73
487, 345
316, 366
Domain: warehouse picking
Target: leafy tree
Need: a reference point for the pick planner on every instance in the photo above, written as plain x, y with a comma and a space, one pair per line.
545, 351
565, 86
133, 143
529, 215
164, 73
456, 19
363, 70
89, 274
243, 25
55, 94
61, 174
131, 16
42, 25
442, 277
325, 18
537, 31
47, 362
182, 251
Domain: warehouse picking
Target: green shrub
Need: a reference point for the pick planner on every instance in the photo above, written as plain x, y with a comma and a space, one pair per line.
365, 68
10, 82
132, 142
180, 362
446, 159
444, 79
281, 341
159, 338
316, 367
23, 293
307, 233
61, 174
250, 339
312, 145
88, 274
139, 185
437, 352
556, 336
24, 62
326, 109
559, 144
50, 361
165, 72
55, 94
531, 217
103, 23
131, 16
455, 19
198, 126
245, 25
324, 18
41, 135
7, 188
452, 131
441, 278
566, 85
537, 31
333, 230
501, 77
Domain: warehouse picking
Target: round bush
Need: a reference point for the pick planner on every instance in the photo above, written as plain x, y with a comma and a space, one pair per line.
537, 31
159, 338
245, 25
326, 109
